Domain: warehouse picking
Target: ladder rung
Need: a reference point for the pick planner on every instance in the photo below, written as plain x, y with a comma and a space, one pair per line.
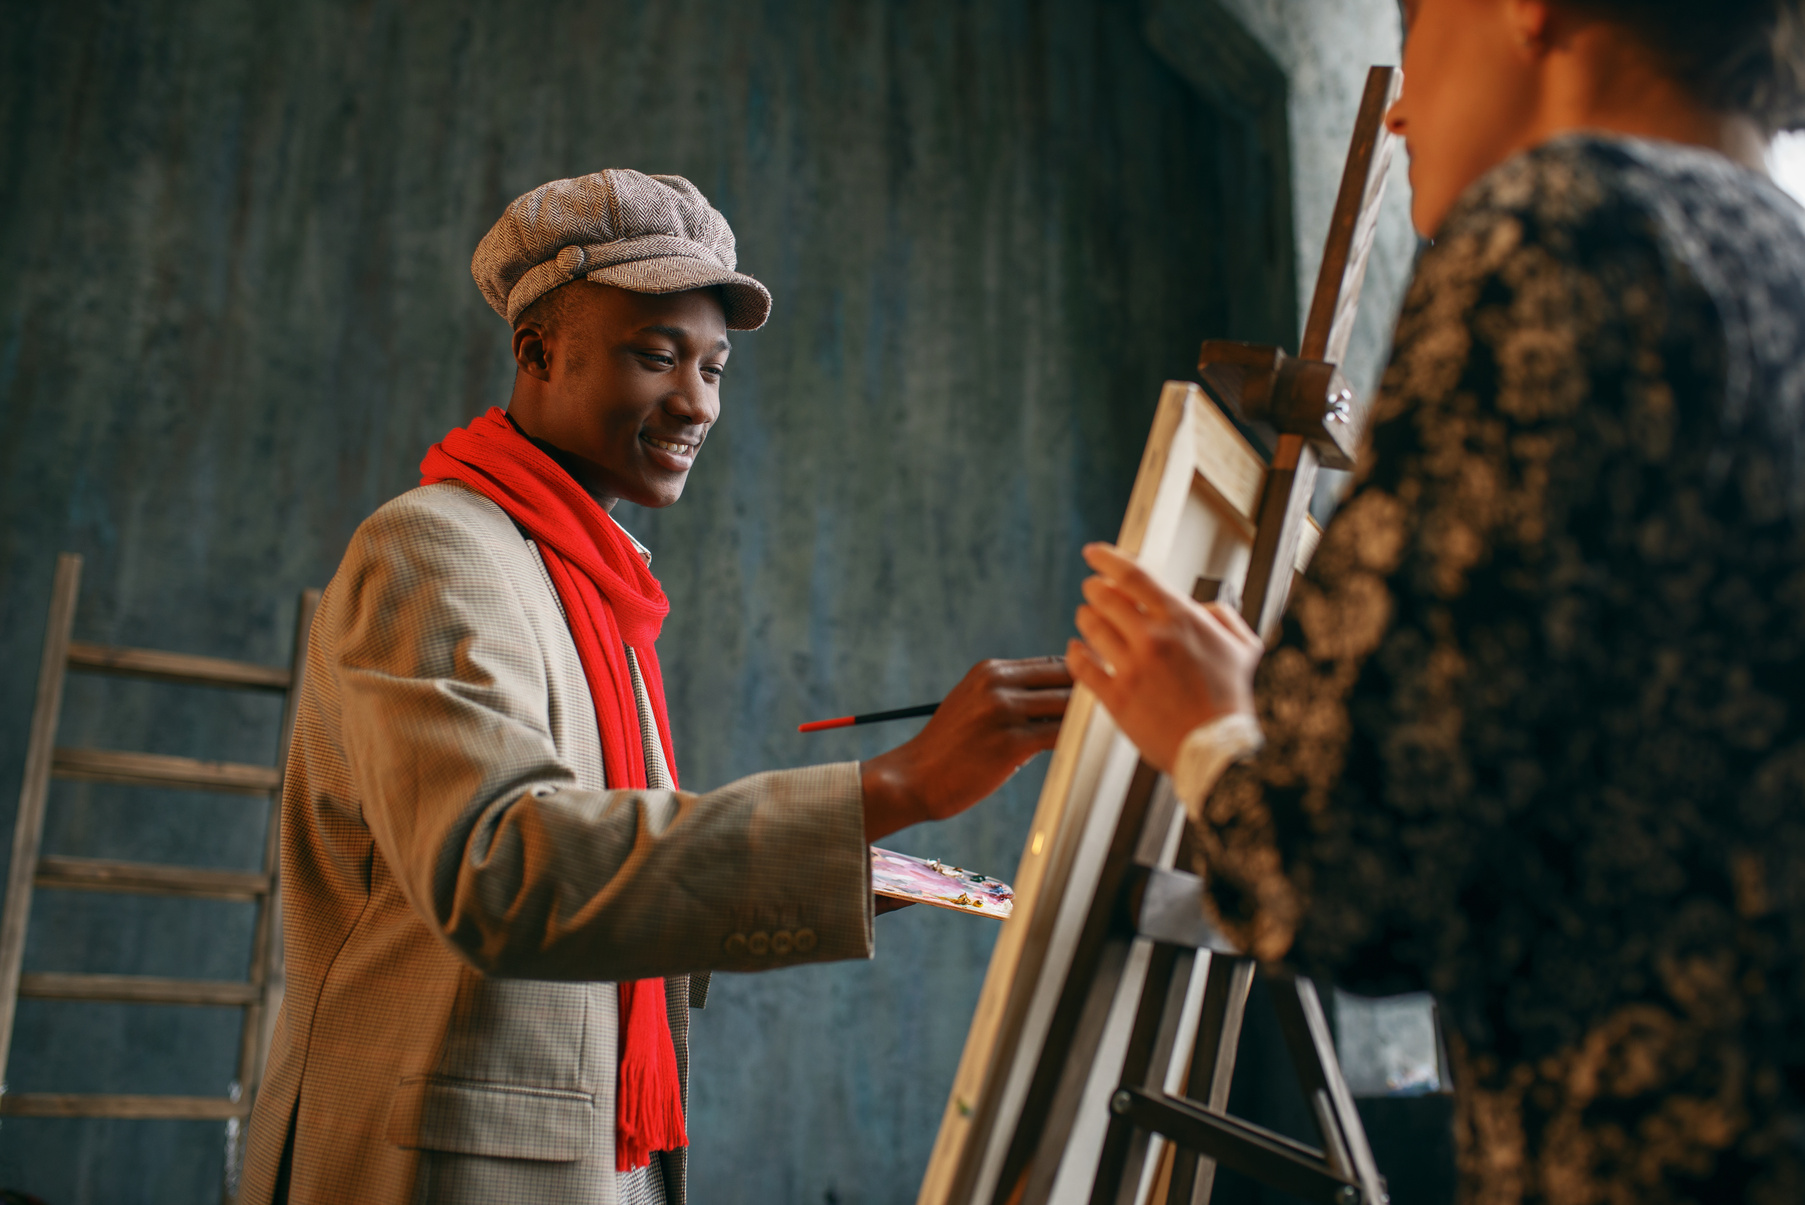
136, 989
156, 770
98, 874
140, 1108
175, 667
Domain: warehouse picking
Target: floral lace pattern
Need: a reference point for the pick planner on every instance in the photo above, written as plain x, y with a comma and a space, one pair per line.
1536, 725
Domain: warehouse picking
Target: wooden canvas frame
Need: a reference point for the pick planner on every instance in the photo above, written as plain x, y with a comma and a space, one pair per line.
1191, 517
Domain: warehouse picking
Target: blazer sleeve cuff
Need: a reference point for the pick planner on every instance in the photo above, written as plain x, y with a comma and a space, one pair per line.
811, 899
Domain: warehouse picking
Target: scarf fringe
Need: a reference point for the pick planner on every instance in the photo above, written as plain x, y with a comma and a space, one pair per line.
648, 1111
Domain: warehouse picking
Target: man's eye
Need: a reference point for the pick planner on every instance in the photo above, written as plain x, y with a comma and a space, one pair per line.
659, 358
714, 370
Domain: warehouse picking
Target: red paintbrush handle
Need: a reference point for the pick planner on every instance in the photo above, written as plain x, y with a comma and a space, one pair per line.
845, 721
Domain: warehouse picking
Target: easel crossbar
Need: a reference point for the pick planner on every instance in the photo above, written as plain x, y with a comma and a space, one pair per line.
1252, 1150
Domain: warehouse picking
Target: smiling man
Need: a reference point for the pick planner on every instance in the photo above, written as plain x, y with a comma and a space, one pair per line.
498, 908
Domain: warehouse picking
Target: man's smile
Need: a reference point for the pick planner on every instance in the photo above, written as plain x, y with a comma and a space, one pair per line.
675, 454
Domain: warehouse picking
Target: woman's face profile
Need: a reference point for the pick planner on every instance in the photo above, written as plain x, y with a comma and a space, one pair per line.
1470, 95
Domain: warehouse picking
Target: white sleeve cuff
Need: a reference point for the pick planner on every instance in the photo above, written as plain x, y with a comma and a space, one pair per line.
1207, 752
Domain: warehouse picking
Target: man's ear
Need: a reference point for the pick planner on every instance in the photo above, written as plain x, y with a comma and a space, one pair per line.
531, 351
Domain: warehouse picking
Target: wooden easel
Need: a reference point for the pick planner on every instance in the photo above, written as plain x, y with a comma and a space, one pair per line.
259, 994
1109, 996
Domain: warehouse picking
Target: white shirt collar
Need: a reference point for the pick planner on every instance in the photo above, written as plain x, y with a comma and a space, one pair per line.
645, 554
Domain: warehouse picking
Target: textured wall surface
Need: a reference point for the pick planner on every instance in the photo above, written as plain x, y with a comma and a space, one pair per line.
235, 309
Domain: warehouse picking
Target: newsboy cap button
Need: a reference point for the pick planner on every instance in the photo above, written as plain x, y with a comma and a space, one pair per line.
805, 940
736, 944
759, 943
572, 259
782, 942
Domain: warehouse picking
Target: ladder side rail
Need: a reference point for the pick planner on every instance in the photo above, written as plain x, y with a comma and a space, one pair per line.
267, 941
266, 978
28, 827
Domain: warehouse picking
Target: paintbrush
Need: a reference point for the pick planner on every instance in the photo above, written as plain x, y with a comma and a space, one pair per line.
875, 717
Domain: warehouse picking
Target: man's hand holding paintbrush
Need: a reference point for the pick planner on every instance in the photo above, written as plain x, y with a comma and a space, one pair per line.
1001, 714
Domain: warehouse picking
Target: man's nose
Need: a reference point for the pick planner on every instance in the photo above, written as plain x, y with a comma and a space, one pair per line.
695, 400
1394, 116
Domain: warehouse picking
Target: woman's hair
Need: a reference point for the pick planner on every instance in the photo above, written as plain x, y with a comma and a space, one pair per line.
1737, 56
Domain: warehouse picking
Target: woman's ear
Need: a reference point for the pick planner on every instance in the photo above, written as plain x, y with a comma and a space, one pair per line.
1531, 24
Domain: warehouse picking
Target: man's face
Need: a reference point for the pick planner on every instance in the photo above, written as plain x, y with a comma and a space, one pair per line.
625, 385
1470, 95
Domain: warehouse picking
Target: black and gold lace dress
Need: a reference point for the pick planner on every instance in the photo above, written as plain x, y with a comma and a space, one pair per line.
1536, 728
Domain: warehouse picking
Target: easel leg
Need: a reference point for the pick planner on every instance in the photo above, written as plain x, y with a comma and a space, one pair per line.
1077, 1031
1150, 1049
1306, 1031
1213, 1067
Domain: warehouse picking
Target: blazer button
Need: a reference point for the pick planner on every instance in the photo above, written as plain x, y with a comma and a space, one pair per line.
805, 940
735, 944
759, 943
782, 942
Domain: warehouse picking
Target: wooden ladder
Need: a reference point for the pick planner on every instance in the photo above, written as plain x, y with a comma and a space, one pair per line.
260, 993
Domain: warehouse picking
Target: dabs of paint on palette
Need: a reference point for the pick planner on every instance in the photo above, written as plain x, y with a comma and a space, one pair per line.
930, 881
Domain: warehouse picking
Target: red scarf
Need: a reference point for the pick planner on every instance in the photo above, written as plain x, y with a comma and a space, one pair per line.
612, 602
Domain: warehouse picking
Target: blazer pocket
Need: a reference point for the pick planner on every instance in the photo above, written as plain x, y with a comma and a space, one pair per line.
503, 1121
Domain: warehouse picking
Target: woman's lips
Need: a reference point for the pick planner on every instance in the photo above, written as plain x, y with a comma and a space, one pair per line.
671, 454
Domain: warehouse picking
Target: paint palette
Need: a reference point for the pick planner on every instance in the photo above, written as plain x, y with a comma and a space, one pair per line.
931, 881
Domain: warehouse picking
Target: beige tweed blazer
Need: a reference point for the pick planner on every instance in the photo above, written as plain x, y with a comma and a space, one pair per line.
460, 890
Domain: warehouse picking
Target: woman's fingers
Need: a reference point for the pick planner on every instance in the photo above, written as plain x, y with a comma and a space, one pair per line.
1130, 578
1090, 672
1103, 636
1121, 610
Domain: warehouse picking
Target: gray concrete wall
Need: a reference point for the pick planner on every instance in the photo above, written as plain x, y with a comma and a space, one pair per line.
235, 309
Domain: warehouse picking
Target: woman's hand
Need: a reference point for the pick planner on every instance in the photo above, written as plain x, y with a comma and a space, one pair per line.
1159, 662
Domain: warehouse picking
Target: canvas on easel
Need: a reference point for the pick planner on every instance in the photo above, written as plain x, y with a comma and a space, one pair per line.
1029, 1117
1191, 517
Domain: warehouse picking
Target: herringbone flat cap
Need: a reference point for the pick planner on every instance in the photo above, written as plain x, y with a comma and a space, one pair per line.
648, 234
